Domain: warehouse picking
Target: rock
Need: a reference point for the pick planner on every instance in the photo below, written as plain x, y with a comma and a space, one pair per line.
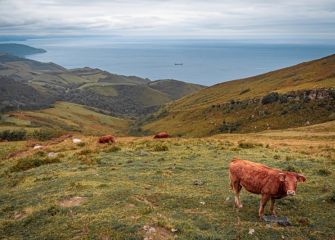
37, 146
283, 221
19, 215
202, 203
146, 227
251, 231
52, 154
198, 182
174, 230
76, 140
143, 153
227, 199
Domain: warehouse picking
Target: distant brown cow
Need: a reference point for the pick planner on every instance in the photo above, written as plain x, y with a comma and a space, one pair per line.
259, 179
106, 139
162, 135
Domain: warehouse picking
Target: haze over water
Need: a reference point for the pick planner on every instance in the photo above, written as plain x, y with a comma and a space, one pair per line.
203, 62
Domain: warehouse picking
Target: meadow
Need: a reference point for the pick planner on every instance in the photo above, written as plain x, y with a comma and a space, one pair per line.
177, 188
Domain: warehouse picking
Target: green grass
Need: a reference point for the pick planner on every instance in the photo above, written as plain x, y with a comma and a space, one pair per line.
130, 185
103, 90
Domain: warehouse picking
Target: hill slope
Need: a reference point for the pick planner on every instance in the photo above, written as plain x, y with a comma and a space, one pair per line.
242, 106
66, 117
126, 96
175, 89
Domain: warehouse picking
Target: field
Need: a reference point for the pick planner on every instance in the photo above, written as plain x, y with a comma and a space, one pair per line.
176, 188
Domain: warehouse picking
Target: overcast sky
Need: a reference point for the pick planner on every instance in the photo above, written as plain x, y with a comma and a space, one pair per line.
291, 20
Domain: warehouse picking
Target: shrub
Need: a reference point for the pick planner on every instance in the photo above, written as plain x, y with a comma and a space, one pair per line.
13, 135
81, 144
24, 164
160, 148
85, 152
291, 168
229, 127
248, 144
332, 197
245, 91
276, 156
45, 134
324, 172
112, 149
270, 98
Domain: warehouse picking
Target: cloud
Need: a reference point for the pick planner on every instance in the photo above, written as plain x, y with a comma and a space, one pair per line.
254, 19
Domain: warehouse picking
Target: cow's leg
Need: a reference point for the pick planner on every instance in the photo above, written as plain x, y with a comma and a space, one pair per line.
237, 189
265, 198
272, 207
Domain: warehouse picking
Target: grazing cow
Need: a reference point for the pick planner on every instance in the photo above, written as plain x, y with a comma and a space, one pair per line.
162, 135
107, 139
256, 178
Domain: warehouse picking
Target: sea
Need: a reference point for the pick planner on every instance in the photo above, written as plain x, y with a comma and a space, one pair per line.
205, 62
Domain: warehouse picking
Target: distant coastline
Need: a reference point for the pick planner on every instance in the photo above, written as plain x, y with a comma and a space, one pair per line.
204, 62
20, 50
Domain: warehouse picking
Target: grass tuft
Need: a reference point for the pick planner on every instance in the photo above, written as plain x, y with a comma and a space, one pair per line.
24, 164
160, 148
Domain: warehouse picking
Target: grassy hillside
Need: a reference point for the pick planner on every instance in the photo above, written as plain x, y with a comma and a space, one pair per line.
120, 95
175, 89
238, 104
67, 117
163, 189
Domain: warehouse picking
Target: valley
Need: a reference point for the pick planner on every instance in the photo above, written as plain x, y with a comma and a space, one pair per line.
59, 182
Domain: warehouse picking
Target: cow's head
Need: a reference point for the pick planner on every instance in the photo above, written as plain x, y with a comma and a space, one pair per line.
290, 180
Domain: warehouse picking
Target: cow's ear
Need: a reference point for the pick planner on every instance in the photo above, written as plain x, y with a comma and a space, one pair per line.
301, 178
282, 177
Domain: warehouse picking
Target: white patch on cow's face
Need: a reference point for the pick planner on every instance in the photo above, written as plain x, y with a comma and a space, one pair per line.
290, 184
290, 193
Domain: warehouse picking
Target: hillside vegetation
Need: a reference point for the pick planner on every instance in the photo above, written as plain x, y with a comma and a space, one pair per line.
126, 96
295, 96
66, 117
163, 189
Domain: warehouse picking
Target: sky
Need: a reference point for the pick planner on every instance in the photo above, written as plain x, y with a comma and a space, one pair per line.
280, 20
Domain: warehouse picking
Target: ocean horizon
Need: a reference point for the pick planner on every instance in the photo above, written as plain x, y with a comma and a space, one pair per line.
200, 61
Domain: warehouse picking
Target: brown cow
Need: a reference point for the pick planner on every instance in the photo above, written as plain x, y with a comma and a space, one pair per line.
162, 135
107, 139
256, 178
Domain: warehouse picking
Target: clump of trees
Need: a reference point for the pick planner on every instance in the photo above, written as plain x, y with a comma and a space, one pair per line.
45, 134
229, 127
13, 135
22, 134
